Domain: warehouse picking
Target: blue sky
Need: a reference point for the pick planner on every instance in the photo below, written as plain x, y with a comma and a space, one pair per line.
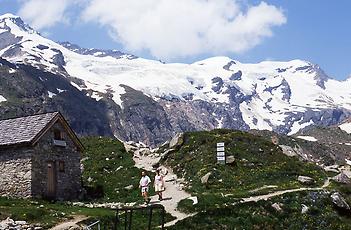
315, 30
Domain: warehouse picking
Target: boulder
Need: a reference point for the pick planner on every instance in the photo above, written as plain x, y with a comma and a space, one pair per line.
230, 159
342, 178
277, 207
305, 180
289, 151
304, 209
19, 222
332, 168
205, 178
177, 140
129, 187
339, 201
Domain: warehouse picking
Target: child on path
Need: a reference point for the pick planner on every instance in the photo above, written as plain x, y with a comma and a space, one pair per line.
144, 185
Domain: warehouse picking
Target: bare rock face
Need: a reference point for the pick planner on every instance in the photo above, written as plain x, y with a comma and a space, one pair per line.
304, 209
177, 140
289, 151
306, 180
339, 201
342, 178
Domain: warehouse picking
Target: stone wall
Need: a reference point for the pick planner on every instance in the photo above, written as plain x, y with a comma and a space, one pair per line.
68, 184
15, 172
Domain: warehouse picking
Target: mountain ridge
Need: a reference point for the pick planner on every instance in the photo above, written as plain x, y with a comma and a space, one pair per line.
217, 92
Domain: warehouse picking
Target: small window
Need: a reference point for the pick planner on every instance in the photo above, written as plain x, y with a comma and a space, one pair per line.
58, 135
61, 166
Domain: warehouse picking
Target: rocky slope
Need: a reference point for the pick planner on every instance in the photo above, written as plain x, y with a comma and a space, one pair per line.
112, 93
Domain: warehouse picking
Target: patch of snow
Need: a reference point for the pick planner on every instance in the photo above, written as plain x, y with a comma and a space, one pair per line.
51, 94
220, 123
96, 96
2, 98
307, 138
61, 90
12, 70
76, 86
98, 53
346, 127
297, 126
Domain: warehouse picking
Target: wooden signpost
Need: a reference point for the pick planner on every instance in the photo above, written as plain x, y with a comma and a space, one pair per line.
220, 153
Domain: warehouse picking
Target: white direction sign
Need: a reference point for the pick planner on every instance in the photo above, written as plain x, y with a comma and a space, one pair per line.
220, 149
220, 144
220, 153
221, 158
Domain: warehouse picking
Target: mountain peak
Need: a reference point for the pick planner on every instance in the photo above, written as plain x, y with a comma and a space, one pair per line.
11, 21
8, 15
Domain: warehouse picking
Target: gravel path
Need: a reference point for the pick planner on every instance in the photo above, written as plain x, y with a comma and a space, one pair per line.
278, 193
173, 193
71, 224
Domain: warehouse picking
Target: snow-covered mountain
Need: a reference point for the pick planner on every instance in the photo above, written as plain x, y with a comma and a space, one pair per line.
149, 100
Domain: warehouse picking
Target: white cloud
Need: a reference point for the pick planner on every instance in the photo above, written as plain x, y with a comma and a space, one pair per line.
44, 13
167, 29
180, 28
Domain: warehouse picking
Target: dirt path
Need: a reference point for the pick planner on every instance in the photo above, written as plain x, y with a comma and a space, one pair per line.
278, 193
73, 223
173, 193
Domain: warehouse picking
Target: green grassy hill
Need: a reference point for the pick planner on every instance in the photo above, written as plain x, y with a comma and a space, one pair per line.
258, 163
108, 169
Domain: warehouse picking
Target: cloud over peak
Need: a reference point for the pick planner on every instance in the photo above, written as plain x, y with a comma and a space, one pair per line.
169, 29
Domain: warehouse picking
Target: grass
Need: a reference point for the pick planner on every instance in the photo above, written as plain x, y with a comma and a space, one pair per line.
46, 213
321, 214
258, 162
108, 169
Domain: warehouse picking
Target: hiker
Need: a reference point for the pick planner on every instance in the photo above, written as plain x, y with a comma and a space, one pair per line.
159, 184
144, 185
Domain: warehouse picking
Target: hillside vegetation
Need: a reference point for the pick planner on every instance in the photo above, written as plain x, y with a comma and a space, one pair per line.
258, 162
260, 167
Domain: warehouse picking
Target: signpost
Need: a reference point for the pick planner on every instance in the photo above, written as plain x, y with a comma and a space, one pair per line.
220, 153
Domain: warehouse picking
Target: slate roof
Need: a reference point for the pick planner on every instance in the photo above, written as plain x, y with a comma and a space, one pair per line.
23, 129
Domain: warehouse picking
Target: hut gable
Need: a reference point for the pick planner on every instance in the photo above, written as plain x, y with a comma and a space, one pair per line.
28, 130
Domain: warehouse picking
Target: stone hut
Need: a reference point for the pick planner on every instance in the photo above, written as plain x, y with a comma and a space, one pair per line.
39, 157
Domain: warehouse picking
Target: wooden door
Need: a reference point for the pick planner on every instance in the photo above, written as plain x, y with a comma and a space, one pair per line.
51, 180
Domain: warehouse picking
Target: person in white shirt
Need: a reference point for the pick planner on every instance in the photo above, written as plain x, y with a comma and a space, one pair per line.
159, 184
144, 185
